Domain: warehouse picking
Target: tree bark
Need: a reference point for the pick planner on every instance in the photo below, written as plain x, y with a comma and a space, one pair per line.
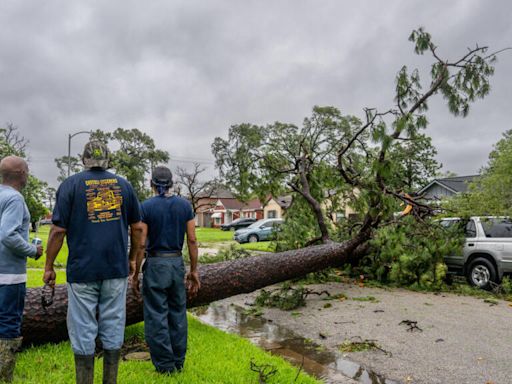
218, 281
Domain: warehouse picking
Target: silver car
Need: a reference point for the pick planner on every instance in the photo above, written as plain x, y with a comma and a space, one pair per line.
487, 253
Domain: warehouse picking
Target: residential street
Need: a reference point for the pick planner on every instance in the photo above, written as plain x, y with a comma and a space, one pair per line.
458, 339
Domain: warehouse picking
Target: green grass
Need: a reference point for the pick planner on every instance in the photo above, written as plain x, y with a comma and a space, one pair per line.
264, 246
35, 277
42, 233
213, 235
213, 357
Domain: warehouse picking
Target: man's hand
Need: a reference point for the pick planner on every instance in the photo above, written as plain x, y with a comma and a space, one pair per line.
39, 252
193, 284
49, 277
133, 280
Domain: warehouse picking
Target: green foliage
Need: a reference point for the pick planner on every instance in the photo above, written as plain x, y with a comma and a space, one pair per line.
232, 252
136, 157
286, 298
409, 252
491, 194
62, 163
13, 143
34, 194
414, 162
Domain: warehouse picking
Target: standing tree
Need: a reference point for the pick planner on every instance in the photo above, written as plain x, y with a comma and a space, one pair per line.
491, 194
198, 192
13, 143
135, 157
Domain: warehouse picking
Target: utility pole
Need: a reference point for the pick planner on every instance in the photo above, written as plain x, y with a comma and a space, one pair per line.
70, 136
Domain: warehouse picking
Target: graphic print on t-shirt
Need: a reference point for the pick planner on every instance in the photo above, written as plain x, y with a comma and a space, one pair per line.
104, 200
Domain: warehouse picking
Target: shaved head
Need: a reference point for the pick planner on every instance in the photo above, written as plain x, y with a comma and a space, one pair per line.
14, 171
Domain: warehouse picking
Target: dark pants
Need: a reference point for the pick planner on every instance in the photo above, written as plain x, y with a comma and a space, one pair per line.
165, 312
12, 302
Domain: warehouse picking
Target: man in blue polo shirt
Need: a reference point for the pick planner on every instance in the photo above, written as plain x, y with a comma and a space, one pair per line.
167, 219
94, 209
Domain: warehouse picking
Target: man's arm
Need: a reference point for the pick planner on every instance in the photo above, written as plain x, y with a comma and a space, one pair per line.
193, 282
10, 221
55, 241
138, 232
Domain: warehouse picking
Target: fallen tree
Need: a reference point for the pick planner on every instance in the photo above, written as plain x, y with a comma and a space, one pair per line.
260, 159
218, 281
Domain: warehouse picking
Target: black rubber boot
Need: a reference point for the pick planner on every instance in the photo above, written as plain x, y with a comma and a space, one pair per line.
8, 349
110, 365
84, 368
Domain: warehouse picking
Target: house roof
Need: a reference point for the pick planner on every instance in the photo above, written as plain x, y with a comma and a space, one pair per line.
253, 204
235, 205
219, 192
231, 204
455, 184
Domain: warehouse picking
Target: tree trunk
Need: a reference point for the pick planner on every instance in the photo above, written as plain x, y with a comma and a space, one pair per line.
218, 281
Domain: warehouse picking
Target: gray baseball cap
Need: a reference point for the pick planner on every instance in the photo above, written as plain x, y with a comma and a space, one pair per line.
96, 155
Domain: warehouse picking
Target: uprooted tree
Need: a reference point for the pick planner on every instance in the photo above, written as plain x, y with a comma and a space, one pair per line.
357, 154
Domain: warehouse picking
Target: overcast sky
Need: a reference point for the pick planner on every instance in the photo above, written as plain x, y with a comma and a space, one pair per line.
184, 71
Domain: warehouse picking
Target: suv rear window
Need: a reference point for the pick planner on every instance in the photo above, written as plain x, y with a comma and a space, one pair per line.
497, 227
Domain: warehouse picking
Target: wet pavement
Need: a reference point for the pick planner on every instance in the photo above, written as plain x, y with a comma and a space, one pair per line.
330, 367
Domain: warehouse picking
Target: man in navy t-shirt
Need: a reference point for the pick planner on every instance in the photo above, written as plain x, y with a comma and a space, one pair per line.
94, 209
167, 219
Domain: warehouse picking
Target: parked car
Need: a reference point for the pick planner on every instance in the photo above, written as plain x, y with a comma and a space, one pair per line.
237, 224
487, 252
258, 231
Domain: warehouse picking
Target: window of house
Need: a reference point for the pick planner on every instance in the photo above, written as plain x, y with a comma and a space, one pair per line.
272, 214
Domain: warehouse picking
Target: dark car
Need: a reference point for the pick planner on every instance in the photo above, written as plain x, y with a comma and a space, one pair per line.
237, 224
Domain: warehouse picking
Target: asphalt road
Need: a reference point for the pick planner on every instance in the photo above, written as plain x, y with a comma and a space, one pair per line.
458, 339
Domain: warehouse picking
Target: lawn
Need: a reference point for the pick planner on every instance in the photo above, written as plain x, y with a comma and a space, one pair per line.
213, 357
42, 233
213, 235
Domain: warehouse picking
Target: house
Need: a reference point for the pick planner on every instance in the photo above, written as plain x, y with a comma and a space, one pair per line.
439, 189
206, 204
227, 210
276, 207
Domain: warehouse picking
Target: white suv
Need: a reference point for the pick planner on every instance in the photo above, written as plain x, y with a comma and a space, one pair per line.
487, 253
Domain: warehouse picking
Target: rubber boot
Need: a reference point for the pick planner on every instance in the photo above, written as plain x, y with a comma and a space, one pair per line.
84, 368
110, 365
8, 349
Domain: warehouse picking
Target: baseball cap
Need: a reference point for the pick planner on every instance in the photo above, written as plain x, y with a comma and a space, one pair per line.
161, 176
96, 155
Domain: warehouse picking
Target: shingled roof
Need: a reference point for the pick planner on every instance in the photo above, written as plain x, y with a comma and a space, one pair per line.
456, 184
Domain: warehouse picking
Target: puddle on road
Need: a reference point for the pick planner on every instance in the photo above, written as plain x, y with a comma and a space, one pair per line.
328, 366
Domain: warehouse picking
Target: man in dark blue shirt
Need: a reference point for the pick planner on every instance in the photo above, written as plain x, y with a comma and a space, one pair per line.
94, 209
166, 220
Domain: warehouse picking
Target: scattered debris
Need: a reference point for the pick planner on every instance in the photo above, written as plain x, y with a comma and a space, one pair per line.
361, 346
322, 336
439, 340
378, 311
286, 297
371, 299
413, 325
327, 305
265, 371
491, 301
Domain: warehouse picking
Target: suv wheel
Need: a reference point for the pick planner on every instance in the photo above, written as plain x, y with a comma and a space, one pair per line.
481, 273
253, 239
